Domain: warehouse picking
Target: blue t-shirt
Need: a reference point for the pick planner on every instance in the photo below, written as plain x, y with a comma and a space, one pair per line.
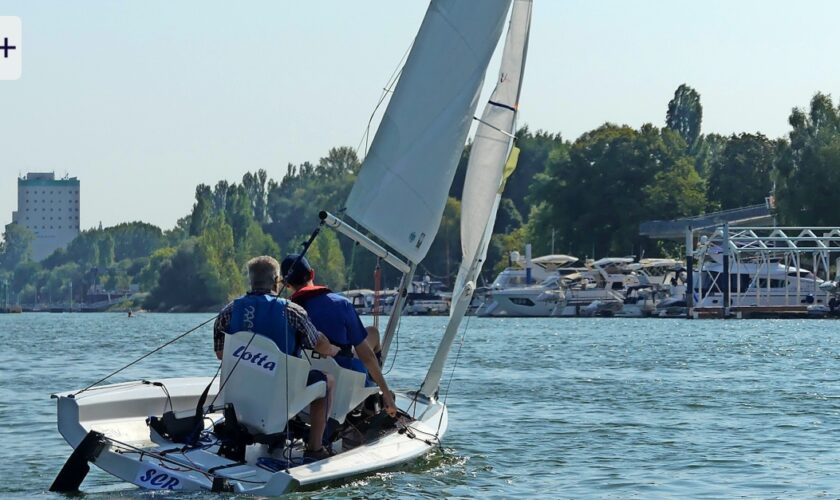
334, 316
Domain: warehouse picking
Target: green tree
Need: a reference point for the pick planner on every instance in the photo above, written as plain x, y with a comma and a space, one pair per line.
611, 179
135, 239
16, 247
741, 174
105, 245
326, 258
202, 274
808, 177
685, 114
202, 209
148, 277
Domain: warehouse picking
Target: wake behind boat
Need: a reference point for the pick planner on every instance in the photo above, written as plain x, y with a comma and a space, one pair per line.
244, 431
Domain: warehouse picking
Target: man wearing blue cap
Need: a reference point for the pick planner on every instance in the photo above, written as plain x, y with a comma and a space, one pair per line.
335, 316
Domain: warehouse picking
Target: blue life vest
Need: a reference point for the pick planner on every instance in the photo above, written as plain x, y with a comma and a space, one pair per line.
265, 315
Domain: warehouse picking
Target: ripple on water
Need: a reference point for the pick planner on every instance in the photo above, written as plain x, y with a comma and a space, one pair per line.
569, 408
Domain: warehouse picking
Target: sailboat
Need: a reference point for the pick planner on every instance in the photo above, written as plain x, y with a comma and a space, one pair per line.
145, 433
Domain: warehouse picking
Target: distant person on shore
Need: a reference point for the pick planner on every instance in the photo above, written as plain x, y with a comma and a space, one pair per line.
334, 315
269, 316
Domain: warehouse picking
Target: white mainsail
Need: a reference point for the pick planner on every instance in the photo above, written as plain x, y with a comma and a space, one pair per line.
404, 182
487, 170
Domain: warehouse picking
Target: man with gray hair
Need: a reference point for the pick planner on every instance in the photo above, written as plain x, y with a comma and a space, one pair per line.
288, 325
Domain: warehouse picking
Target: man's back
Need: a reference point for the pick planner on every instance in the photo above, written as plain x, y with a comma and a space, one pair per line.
333, 315
264, 314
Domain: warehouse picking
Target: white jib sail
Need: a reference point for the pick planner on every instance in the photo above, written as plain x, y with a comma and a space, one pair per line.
404, 182
485, 179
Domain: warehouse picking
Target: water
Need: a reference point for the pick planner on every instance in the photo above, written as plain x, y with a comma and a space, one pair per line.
569, 408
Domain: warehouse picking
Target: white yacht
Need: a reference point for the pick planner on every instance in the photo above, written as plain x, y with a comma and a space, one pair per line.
761, 284
620, 286
513, 294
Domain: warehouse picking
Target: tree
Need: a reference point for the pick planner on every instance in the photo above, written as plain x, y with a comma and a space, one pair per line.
326, 258
508, 218
202, 209
611, 179
808, 175
16, 247
685, 115
741, 174
105, 245
202, 274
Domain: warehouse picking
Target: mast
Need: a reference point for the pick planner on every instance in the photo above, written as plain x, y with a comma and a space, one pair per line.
492, 160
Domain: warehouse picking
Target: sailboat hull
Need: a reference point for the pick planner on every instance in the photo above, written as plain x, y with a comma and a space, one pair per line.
133, 452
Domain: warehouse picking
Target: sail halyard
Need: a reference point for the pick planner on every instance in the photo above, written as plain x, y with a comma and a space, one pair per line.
485, 180
401, 191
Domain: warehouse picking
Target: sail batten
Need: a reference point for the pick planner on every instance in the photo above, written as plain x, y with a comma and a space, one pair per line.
492, 159
403, 184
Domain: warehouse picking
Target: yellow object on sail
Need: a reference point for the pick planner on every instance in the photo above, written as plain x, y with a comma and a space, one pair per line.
510, 166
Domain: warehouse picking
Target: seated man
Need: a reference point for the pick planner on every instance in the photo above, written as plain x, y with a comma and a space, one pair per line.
334, 315
263, 312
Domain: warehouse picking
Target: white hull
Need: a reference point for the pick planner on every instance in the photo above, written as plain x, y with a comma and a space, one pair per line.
119, 412
522, 302
773, 298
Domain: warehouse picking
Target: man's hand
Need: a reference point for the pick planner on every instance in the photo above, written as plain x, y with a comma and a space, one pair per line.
219, 354
390, 406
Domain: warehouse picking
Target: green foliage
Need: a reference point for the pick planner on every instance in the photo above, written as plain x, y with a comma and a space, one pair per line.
612, 179
133, 240
808, 171
202, 274
741, 174
326, 258
306, 189
16, 247
501, 245
148, 276
685, 114
444, 255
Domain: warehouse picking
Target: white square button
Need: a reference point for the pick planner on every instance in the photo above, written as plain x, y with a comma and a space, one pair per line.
11, 48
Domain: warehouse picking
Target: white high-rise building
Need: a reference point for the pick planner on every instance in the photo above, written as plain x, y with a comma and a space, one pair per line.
49, 207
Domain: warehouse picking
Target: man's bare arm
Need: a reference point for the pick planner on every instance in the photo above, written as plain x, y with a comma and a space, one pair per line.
366, 354
324, 347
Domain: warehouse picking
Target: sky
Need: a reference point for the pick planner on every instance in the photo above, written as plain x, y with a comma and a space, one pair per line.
143, 100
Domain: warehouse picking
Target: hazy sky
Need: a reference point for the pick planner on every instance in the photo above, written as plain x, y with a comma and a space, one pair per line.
143, 100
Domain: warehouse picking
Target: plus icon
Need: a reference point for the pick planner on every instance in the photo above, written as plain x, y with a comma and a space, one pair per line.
6, 48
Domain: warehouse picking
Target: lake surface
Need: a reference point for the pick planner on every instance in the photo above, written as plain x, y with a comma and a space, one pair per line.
568, 408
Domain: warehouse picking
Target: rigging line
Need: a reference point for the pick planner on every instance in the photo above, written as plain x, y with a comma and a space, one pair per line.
134, 449
306, 245
436, 276
179, 337
385, 91
397, 339
452, 374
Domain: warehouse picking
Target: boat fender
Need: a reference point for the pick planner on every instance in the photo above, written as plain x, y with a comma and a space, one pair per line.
76, 467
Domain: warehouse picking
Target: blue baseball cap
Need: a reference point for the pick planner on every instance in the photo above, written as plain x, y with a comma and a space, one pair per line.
295, 269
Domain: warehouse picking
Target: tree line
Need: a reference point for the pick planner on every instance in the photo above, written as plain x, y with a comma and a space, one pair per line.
585, 197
